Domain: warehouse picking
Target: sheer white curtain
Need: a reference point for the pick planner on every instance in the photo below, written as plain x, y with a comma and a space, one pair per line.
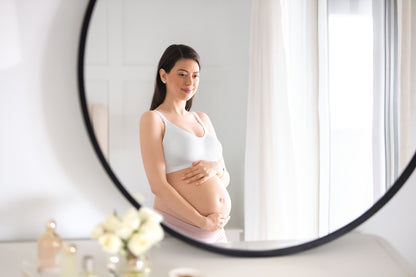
282, 143
10, 47
406, 72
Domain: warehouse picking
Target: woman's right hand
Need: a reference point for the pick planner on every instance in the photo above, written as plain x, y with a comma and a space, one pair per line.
215, 222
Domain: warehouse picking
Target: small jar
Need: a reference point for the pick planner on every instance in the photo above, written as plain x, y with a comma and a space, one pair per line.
88, 267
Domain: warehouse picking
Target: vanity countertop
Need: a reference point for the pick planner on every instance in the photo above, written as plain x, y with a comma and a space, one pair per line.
354, 254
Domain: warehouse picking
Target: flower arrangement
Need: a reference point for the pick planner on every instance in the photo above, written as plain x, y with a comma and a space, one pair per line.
131, 235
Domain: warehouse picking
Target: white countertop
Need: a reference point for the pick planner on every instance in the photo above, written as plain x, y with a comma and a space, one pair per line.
354, 254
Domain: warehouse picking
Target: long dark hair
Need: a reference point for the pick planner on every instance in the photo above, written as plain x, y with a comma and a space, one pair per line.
168, 60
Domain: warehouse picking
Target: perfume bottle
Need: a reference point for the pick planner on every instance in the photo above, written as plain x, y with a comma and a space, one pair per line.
49, 246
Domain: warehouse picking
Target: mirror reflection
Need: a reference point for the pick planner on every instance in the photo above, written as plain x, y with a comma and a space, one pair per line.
181, 154
310, 102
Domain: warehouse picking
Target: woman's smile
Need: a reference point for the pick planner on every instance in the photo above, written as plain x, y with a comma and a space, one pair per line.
187, 90
183, 79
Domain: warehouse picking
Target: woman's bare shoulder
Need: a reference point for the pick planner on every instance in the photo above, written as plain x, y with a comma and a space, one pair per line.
150, 116
150, 119
151, 126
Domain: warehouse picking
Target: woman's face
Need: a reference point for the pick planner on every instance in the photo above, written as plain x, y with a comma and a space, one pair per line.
183, 79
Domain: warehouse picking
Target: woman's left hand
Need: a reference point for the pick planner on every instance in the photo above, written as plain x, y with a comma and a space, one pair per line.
200, 171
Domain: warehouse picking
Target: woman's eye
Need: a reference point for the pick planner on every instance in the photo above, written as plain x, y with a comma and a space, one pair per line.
196, 76
182, 74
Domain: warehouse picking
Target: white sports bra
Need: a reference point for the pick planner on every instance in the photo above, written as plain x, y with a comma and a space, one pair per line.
182, 148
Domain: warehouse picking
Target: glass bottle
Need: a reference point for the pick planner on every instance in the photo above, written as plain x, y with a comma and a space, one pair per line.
88, 267
49, 246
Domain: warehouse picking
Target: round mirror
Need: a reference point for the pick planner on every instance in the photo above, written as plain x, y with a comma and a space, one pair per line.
312, 104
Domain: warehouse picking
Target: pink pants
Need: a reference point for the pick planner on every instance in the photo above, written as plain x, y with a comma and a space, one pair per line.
193, 231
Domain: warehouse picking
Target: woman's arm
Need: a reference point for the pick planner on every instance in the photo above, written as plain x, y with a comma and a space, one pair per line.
151, 136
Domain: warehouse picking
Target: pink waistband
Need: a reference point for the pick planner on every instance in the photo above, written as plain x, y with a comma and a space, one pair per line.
193, 231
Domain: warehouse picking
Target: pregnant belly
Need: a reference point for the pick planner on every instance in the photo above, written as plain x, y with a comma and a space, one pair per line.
207, 198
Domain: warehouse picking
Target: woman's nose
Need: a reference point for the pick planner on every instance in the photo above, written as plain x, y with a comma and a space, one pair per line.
188, 80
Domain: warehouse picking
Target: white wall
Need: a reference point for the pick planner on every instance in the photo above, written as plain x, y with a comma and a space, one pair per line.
48, 167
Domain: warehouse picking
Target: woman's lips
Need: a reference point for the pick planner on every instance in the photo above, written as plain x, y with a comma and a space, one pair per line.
187, 90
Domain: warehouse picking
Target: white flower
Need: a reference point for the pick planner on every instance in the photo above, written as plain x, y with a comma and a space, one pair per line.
131, 218
112, 223
129, 223
98, 231
135, 233
110, 243
153, 231
146, 213
124, 232
139, 243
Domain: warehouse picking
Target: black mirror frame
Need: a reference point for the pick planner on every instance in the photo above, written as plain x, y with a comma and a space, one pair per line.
225, 251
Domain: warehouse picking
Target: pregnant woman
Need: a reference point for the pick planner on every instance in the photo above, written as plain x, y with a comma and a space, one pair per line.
181, 154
